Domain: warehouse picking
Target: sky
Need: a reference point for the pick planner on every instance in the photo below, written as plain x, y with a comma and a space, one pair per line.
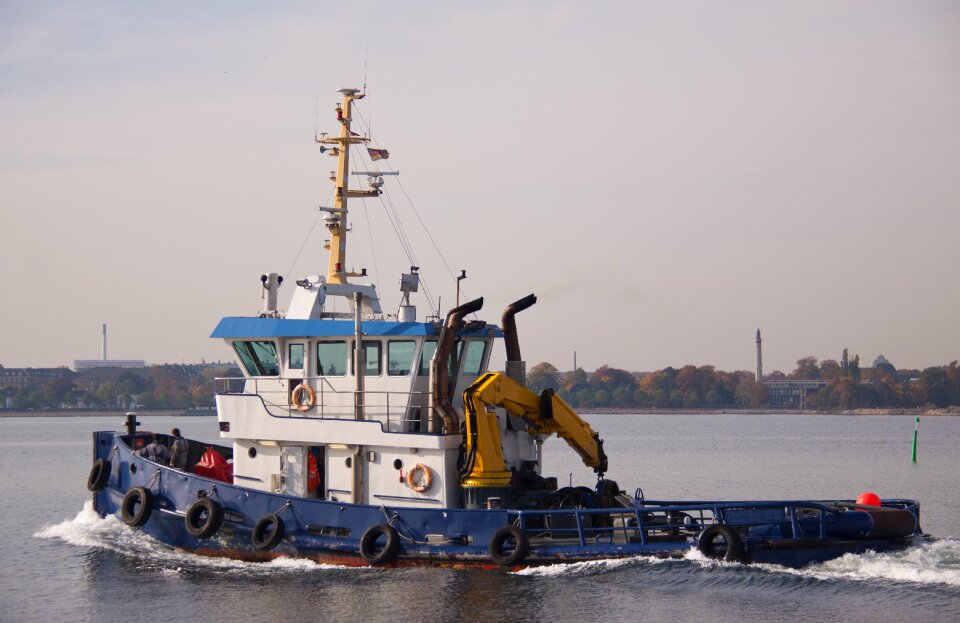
667, 177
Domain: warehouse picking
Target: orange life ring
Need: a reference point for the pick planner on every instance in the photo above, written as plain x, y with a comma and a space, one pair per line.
298, 393
420, 478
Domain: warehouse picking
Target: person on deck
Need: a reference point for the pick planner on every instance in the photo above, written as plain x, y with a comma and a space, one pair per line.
154, 451
179, 450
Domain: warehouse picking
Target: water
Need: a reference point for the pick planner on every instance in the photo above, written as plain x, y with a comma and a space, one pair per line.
61, 562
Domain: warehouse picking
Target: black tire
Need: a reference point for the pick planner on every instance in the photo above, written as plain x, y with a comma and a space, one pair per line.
730, 550
267, 532
369, 544
99, 474
499, 551
136, 507
203, 518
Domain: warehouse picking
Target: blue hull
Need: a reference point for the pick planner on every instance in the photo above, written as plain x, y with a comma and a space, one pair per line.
328, 531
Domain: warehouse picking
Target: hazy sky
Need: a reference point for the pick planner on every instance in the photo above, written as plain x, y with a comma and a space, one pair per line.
665, 176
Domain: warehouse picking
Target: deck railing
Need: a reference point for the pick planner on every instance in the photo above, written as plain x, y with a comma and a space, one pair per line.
397, 410
678, 521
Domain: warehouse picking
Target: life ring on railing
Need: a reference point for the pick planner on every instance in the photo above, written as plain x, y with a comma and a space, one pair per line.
420, 478
729, 550
502, 540
295, 399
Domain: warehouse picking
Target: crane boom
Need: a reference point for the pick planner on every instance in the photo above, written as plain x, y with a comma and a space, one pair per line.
545, 414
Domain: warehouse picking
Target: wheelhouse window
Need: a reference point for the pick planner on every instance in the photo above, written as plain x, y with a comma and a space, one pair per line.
371, 357
331, 358
258, 357
429, 348
473, 362
295, 356
400, 357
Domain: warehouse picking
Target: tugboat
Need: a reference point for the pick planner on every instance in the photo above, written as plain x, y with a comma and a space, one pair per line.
363, 438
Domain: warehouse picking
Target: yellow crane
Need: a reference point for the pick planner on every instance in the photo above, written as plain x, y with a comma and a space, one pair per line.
545, 414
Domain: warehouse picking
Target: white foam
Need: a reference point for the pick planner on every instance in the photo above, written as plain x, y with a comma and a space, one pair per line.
588, 567
937, 562
88, 529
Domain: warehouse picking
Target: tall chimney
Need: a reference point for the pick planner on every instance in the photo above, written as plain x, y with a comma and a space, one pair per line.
759, 359
104, 341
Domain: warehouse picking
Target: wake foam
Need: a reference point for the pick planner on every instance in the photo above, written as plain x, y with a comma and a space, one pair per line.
590, 567
936, 562
88, 529
930, 563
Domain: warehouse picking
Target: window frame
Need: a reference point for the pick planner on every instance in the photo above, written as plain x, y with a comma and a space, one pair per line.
346, 351
252, 357
366, 361
409, 360
303, 356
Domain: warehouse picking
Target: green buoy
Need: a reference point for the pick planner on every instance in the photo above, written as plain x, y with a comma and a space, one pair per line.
916, 429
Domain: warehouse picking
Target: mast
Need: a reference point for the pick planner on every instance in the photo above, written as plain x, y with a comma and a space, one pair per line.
336, 220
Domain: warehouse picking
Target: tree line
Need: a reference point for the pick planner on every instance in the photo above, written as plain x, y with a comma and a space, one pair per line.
154, 387
846, 386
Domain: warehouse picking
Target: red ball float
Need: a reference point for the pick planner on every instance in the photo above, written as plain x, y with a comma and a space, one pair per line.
869, 498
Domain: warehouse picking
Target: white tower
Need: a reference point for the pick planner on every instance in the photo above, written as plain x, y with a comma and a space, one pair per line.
759, 359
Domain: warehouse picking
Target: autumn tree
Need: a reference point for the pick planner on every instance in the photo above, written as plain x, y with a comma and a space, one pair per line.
806, 369
543, 376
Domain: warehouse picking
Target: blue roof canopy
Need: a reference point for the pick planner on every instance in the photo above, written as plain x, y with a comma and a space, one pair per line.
233, 327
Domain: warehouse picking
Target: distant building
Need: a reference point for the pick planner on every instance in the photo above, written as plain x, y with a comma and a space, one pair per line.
792, 394
81, 365
786, 393
15, 378
882, 365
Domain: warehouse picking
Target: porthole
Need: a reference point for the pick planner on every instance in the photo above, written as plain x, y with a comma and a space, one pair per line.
133, 468
252, 453
397, 464
348, 462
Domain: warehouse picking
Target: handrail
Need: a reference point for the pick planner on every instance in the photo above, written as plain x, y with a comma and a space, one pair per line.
655, 517
386, 406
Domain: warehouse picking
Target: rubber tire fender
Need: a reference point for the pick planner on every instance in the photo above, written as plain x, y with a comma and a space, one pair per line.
99, 474
368, 543
499, 540
267, 532
733, 550
142, 514
205, 528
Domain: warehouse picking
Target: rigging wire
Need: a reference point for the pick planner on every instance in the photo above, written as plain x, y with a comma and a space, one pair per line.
307, 238
394, 218
414, 208
373, 247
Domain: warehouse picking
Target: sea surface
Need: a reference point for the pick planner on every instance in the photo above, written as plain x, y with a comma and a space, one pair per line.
60, 562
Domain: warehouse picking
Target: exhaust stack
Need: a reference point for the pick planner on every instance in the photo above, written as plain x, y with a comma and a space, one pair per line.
516, 367
439, 368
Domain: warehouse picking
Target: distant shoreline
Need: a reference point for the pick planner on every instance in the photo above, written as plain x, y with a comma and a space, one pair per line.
953, 410
106, 413
947, 411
